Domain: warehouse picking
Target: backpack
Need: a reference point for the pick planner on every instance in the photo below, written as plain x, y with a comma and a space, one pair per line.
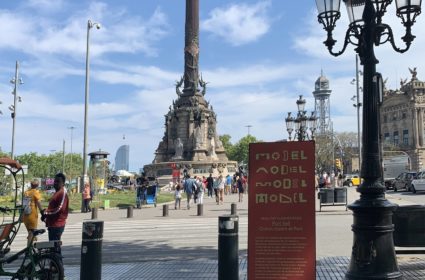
195, 188
26, 203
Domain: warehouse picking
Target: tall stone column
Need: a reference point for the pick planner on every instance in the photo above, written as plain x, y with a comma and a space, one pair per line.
415, 128
191, 49
421, 127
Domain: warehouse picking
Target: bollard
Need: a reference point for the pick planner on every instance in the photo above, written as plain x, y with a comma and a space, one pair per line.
94, 213
228, 247
91, 250
233, 209
130, 212
165, 210
200, 209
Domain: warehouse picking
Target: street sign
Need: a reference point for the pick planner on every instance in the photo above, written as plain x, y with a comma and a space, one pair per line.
281, 219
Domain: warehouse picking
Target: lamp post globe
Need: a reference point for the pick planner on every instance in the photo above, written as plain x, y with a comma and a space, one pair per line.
302, 123
373, 254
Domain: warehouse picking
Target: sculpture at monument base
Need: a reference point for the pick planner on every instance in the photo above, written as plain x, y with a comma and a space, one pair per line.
212, 153
178, 147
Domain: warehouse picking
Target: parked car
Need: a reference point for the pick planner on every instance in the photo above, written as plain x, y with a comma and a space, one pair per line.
351, 180
404, 180
418, 184
389, 183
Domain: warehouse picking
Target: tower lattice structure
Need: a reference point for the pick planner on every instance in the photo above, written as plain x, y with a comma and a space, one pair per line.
322, 105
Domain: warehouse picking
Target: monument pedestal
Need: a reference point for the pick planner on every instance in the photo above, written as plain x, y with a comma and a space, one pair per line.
199, 155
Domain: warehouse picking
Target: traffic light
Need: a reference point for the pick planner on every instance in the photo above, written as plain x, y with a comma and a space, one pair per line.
338, 164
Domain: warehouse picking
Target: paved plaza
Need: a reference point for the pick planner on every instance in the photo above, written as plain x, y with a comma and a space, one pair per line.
326, 268
184, 245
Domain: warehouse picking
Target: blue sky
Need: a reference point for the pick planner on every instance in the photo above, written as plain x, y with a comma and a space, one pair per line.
257, 55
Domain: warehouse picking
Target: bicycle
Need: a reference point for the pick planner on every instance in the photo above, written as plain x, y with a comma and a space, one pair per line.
40, 260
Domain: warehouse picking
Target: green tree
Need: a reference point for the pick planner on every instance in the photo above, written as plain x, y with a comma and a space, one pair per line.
342, 146
42, 166
239, 151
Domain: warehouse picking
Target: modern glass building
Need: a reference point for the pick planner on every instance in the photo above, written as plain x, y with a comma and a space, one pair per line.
122, 158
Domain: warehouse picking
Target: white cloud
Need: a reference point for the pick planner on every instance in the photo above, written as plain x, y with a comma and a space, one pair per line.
239, 24
46, 6
38, 36
140, 76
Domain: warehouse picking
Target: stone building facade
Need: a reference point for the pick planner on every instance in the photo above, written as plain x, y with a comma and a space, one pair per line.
402, 119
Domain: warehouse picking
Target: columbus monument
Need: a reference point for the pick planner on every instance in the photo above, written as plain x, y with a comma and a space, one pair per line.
190, 143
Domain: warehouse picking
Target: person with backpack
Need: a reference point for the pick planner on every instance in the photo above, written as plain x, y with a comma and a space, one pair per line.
200, 190
215, 187
188, 189
31, 207
195, 190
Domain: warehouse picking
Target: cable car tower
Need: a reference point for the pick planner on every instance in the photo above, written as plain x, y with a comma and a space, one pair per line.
322, 105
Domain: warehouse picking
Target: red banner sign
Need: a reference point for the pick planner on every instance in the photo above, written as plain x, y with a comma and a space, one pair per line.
281, 220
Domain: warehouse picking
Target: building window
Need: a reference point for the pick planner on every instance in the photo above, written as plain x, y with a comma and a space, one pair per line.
406, 137
404, 115
385, 118
387, 137
395, 138
394, 117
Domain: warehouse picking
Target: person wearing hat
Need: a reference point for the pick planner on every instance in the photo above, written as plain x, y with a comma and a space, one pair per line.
31, 220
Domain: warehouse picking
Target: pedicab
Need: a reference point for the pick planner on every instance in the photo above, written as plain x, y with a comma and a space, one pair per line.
13, 185
38, 260
151, 194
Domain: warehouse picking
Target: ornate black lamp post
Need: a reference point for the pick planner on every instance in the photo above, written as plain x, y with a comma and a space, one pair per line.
302, 123
373, 255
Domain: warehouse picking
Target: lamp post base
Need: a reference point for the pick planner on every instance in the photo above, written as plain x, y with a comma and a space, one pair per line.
373, 255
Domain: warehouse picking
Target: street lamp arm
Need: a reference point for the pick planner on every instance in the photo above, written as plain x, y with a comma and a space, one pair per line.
353, 32
385, 34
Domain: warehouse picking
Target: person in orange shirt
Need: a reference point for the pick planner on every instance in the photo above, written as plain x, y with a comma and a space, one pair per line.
31, 220
86, 197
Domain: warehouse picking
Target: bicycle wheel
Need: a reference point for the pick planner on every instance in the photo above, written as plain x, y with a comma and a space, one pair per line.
48, 267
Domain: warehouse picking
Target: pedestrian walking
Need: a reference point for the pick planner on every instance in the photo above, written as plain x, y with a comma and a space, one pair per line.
188, 189
322, 181
200, 189
245, 183
31, 208
86, 198
178, 195
210, 185
235, 183
228, 184
57, 212
221, 183
240, 188
215, 188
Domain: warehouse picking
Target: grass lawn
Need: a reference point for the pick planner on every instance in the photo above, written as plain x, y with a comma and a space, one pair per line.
121, 199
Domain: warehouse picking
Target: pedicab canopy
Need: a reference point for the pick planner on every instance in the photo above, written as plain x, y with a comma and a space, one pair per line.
10, 162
